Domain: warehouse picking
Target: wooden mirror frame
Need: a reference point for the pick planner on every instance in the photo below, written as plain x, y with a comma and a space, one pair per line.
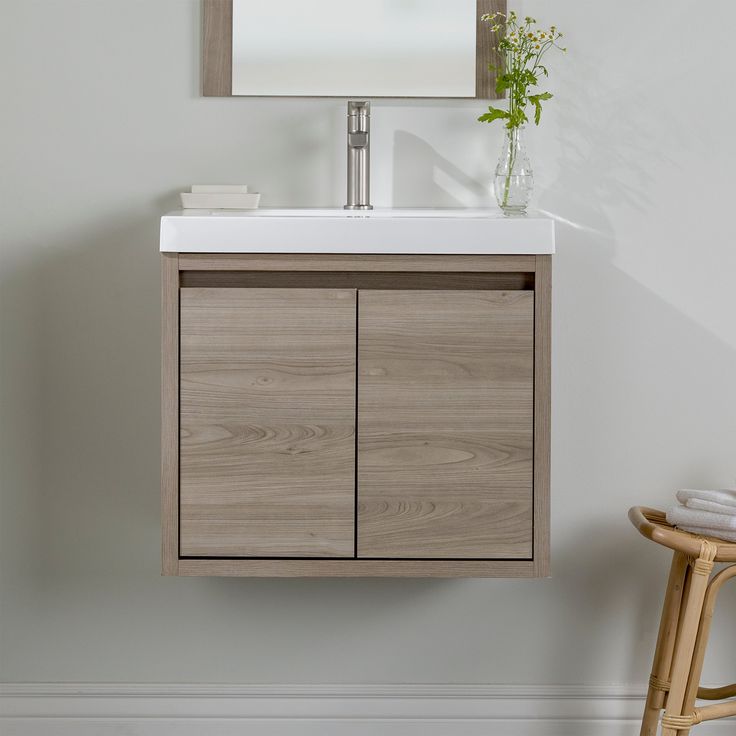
217, 51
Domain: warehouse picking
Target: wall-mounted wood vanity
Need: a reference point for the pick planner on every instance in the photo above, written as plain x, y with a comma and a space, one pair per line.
356, 414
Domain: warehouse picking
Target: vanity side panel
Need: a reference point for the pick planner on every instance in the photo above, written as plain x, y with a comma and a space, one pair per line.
169, 413
542, 413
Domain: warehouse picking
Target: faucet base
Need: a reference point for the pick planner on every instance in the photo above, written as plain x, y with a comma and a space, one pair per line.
358, 207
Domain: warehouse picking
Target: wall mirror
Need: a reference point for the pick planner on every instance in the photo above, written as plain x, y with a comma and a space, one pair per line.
335, 48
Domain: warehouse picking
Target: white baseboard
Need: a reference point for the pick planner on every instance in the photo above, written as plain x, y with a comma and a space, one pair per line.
79, 709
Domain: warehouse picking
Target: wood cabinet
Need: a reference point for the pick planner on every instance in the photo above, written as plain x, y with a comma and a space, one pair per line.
355, 415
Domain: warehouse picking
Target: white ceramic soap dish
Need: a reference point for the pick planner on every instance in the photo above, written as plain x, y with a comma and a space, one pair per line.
219, 197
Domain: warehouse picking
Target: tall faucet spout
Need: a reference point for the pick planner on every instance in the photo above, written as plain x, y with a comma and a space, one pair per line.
359, 156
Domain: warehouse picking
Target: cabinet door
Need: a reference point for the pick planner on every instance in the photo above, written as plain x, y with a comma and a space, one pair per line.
267, 427
445, 424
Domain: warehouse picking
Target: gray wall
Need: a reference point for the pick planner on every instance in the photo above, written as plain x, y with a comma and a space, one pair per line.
102, 125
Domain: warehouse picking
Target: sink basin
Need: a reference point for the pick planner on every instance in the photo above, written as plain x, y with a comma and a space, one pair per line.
418, 231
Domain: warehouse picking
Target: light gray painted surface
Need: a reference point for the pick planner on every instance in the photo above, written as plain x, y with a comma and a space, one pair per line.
101, 126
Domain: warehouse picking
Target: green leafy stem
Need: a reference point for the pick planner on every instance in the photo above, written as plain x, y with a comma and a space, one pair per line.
522, 45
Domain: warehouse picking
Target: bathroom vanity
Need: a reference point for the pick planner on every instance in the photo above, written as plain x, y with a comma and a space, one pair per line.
356, 395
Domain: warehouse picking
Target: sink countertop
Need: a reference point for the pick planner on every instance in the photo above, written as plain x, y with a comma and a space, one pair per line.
382, 231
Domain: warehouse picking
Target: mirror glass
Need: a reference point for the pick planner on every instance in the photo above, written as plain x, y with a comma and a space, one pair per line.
338, 48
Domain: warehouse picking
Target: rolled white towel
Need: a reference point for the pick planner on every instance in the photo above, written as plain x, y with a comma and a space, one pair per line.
724, 496
682, 516
703, 532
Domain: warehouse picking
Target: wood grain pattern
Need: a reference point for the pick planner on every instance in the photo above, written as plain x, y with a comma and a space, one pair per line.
542, 412
217, 48
359, 568
485, 53
445, 424
169, 414
267, 422
322, 262
358, 280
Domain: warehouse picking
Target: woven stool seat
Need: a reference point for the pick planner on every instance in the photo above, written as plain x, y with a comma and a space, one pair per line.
689, 603
653, 525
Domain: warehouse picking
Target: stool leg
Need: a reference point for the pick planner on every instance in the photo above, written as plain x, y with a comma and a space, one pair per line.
706, 619
685, 645
663, 652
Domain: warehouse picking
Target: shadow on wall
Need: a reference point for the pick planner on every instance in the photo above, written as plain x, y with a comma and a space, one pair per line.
81, 369
632, 386
601, 167
416, 164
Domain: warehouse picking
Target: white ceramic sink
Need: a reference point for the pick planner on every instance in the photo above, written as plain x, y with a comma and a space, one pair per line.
420, 231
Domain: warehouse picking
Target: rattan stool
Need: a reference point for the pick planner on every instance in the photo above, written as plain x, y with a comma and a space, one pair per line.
683, 631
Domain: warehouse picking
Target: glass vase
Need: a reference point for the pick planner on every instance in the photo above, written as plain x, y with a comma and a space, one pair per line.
514, 180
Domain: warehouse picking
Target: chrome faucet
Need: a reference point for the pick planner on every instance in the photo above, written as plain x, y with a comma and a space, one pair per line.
359, 156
